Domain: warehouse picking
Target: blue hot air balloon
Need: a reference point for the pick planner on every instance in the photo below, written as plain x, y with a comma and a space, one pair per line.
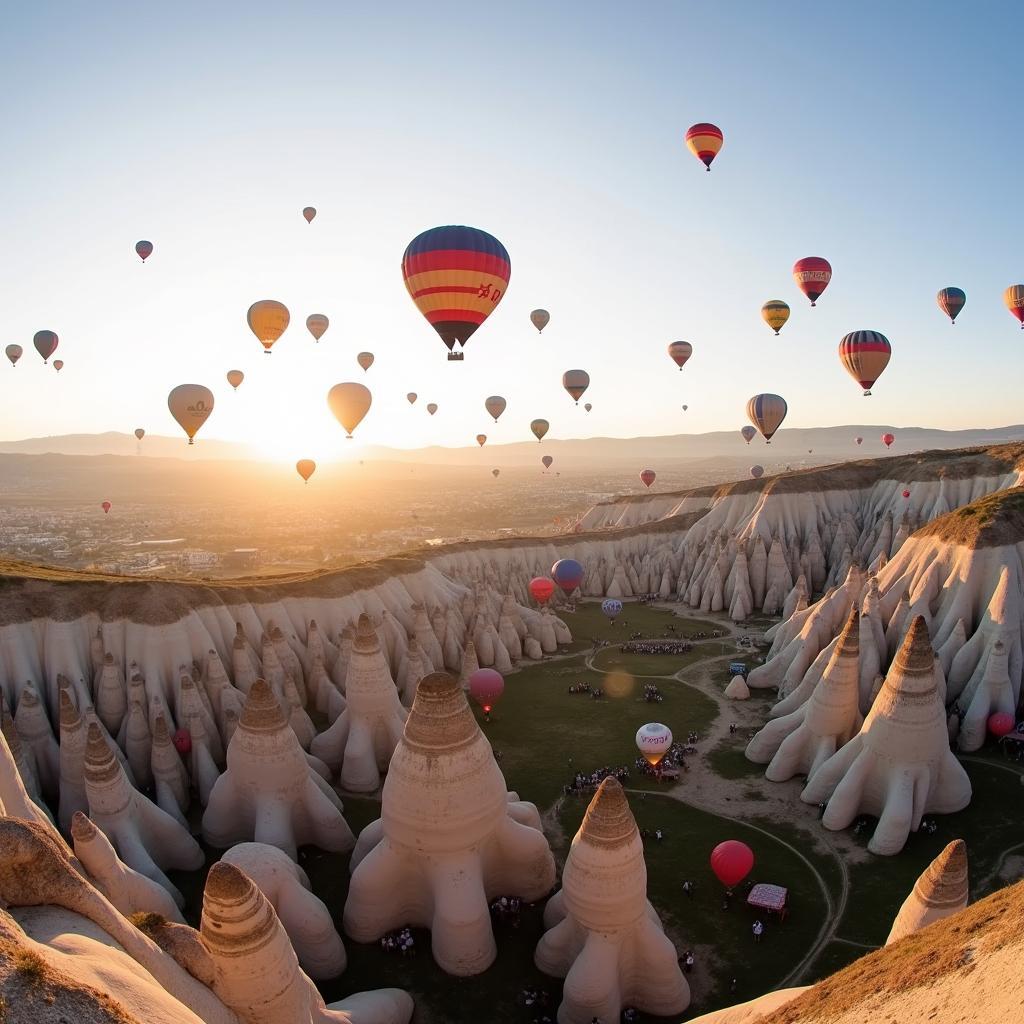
611, 607
568, 574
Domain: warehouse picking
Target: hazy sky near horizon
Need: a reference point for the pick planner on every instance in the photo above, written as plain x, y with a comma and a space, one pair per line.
880, 136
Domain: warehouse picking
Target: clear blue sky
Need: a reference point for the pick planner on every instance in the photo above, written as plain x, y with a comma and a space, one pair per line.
884, 136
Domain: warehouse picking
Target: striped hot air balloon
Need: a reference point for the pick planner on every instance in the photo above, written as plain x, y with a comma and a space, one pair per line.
951, 301
576, 382
864, 355
704, 141
767, 412
1014, 299
775, 313
679, 352
812, 275
748, 433
456, 276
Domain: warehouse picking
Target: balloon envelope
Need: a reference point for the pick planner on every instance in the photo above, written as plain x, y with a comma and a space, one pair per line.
541, 589
539, 318
704, 140
182, 740
906, 494
547, 460
144, 249
756, 472
190, 405
495, 405
864, 355
456, 275
495, 472
105, 506
576, 382
812, 275
767, 412
1014, 299
431, 407
365, 360
316, 324
1001, 723
45, 343
951, 301
587, 406
539, 428
654, 741
887, 439
611, 606
235, 377
349, 402
486, 687
309, 212
680, 352
859, 440
305, 468
139, 433
567, 573
58, 364
775, 313
481, 439
13, 353
268, 320
647, 477
411, 397
731, 862
749, 433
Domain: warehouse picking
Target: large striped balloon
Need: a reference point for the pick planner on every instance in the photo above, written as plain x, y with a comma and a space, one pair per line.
812, 275
864, 355
767, 412
951, 301
456, 276
704, 140
1014, 299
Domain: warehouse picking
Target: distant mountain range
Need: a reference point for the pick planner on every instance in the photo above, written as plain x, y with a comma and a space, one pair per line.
825, 443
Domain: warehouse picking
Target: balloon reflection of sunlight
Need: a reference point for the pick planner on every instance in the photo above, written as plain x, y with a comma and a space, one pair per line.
619, 684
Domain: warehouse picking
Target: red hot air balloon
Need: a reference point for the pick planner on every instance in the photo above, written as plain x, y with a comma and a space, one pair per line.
182, 740
864, 355
546, 460
105, 506
887, 440
45, 343
144, 250
704, 140
568, 574
309, 212
731, 862
541, 589
812, 275
647, 477
58, 364
906, 494
486, 687
679, 352
1000, 723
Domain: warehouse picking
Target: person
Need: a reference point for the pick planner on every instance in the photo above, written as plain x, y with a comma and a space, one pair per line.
657, 834
688, 961
688, 888
733, 985
757, 929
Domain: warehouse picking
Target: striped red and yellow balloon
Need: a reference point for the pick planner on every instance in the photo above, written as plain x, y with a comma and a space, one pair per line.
864, 355
1014, 299
951, 301
456, 275
767, 412
680, 352
704, 141
812, 275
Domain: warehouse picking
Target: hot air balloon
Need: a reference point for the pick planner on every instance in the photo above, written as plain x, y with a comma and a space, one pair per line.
680, 352
568, 574
576, 382
235, 377
317, 324
541, 589
139, 433
190, 405
864, 355
268, 320
547, 460
349, 402
812, 275
105, 505
309, 212
756, 472
647, 477
748, 433
685, 407
654, 741
182, 740
411, 397
365, 360
887, 440
495, 472
859, 440
1000, 723
431, 407
45, 343
456, 276
495, 405
305, 468
13, 353
767, 412
611, 606
481, 439
704, 141
144, 249
539, 318
906, 493
810, 451
486, 687
1014, 299
775, 313
58, 364
731, 862
951, 301
587, 406
539, 428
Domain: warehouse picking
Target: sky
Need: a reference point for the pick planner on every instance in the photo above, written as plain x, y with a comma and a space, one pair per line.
881, 136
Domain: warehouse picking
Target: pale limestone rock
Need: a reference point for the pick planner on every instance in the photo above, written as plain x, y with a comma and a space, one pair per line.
38, 743
111, 696
940, 891
72, 762
737, 689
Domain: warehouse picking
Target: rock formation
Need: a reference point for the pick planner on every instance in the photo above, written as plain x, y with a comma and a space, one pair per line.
940, 892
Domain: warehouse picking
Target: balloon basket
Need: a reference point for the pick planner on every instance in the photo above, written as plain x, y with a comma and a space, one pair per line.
457, 357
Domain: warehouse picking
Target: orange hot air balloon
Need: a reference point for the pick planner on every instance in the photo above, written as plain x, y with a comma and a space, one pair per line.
951, 301
235, 377
411, 397
431, 407
647, 477
767, 412
539, 428
576, 382
541, 588
13, 353
317, 324
309, 212
349, 402
864, 355
105, 506
887, 440
495, 405
704, 141
144, 249
481, 439
190, 405
495, 473
546, 461
812, 275
365, 360
680, 352
268, 320
775, 313
58, 364
139, 433
46, 343
1014, 299
306, 468
456, 276
540, 319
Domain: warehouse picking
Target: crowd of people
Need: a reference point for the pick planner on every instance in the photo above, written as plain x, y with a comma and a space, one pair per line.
652, 695
639, 646
402, 941
506, 909
594, 692
587, 782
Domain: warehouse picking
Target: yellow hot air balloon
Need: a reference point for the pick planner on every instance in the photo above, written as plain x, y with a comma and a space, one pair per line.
1014, 299
495, 405
775, 313
268, 320
316, 324
190, 405
235, 377
305, 468
349, 402
481, 439
539, 318
540, 428
365, 360
576, 382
